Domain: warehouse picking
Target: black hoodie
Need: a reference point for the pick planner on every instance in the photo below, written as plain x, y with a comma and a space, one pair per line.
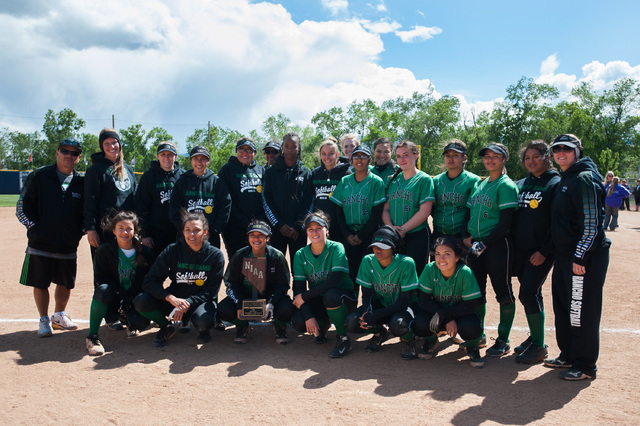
152, 199
103, 191
287, 194
578, 211
324, 183
245, 186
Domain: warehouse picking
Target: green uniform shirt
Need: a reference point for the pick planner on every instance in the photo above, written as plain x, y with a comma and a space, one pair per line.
126, 268
486, 201
385, 173
316, 270
388, 283
357, 199
451, 201
406, 196
460, 287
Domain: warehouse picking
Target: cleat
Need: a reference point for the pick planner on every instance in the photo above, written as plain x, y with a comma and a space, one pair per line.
523, 346
61, 321
44, 329
185, 327
203, 336
343, 346
533, 354
219, 326
281, 333
575, 375
408, 349
164, 335
556, 363
429, 349
116, 325
93, 345
241, 333
375, 343
499, 348
475, 360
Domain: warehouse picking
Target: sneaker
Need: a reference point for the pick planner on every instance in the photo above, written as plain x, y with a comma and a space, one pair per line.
93, 345
116, 325
204, 336
475, 360
61, 321
281, 333
499, 348
241, 333
481, 344
523, 346
44, 330
164, 335
219, 325
429, 349
575, 375
408, 349
343, 345
533, 354
375, 343
556, 363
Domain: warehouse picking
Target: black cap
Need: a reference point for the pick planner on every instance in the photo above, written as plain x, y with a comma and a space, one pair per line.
362, 149
272, 145
569, 140
455, 146
246, 142
495, 148
70, 142
386, 238
199, 150
165, 146
260, 226
317, 219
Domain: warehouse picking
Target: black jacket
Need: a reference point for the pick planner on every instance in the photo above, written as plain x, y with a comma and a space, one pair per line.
103, 192
53, 218
153, 197
195, 276
287, 194
245, 187
324, 183
207, 194
277, 277
531, 227
578, 212
106, 267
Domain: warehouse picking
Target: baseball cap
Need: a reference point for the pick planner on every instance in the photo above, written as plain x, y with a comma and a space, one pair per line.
272, 145
455, 146
386, 238
167, 146
70, 142
495, 148
259, 226
317, 219
361, 149
246, 142
570, 140
199, 150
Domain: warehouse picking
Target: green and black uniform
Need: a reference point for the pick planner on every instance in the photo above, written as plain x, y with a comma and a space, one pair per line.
450, 212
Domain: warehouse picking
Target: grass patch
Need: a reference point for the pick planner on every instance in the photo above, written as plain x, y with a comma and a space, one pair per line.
8, 200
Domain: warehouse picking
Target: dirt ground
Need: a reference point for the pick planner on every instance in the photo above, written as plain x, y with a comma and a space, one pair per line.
53, 380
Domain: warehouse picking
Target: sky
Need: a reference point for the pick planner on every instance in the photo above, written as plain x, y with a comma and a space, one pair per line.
179, 64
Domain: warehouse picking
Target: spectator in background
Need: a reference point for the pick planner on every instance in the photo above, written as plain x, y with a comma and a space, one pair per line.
625, 200
636, 193
615, 194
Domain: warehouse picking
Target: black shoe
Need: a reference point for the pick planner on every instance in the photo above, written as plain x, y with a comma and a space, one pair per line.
281, 333
375, 343
481, 344
533, 354
343, 345
321, 338
475, 360
241, 333
523, 346
408, 349
203, 336
219, 326
499, 348
164, 335
575, 375
185, 327
116, 325
429, 349
556, 363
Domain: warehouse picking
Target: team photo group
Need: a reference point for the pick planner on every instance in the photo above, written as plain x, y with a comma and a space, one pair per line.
376, 246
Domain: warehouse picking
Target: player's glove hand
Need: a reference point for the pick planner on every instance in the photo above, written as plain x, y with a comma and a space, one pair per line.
368, 319
434, 324
269, 312
477, 248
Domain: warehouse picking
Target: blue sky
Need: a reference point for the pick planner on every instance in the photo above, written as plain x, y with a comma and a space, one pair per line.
181, 63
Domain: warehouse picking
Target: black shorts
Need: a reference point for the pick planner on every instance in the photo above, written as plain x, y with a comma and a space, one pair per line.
40, 271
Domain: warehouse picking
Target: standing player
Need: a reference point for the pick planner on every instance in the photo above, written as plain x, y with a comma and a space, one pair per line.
360, 200
493, 203
383, 166
452, 188
349, 142
271, 151
533, 252
50, 207
410, 197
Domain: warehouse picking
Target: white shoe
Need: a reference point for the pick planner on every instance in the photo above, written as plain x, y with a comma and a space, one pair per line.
61, 321
45, 327
93, 344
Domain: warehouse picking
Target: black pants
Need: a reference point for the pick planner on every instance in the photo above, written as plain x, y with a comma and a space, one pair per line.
577, 305
495, 262
531, 280
355, 254
469, 326
120, 305
203, 316
333, 298
228, 312
416, 246
234, 240
281, 243
399, 322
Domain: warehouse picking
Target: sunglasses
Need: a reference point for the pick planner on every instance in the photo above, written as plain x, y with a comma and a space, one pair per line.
562, 148
67, 152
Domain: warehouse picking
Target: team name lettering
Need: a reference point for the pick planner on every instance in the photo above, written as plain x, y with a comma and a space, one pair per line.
577, 286
451, 196
402, 195
195, 267
190, 277
482, 199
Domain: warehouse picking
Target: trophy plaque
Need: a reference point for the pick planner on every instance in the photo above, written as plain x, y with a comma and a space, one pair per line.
253, 269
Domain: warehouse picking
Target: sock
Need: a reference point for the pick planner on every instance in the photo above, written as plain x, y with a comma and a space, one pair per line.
97, 313
407, 336
156, 316
507, 315
338, 316
536, 326
280, 323
481, 309
431, 338
472, 343
238, 322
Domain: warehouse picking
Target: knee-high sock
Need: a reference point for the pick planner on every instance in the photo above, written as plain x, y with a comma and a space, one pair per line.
536, 326
156, 316
98, 311
338, 316
507, 314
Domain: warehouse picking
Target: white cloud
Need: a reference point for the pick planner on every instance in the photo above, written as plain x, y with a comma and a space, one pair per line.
383, 26
419, 33
381, 7
335, 6
549, 65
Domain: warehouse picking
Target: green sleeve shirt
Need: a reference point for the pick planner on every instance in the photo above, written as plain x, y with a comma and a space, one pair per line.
450, 206
316, 270
387, 283
357, 199
406, 196
486, 201
460, 287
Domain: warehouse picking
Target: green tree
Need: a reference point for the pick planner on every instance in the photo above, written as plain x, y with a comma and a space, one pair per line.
21, 146
56, 127
331, 122
220, 142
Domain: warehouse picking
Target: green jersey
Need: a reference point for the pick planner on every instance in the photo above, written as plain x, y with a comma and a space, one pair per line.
126, 268
486, 201
407, 195
387, 283
316, 269
384, 172
357, 199
460, 287
451, 201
